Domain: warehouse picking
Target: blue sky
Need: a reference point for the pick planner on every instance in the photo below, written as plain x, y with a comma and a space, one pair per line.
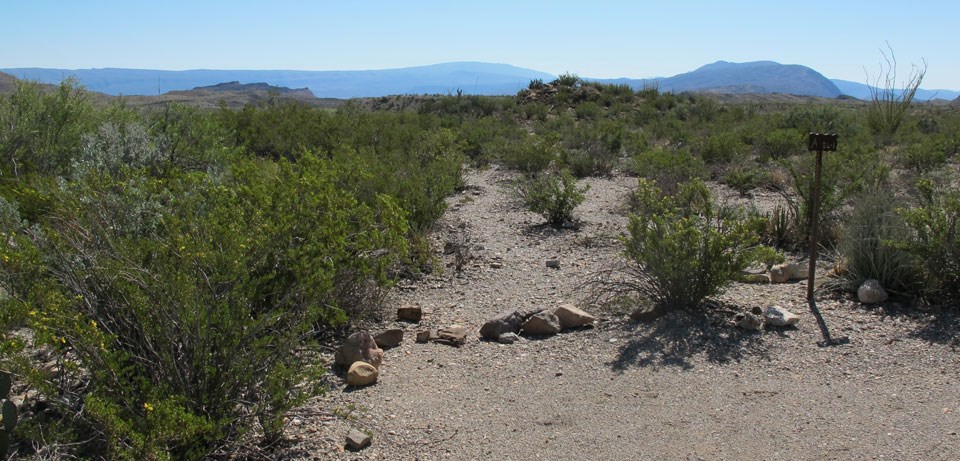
596, 38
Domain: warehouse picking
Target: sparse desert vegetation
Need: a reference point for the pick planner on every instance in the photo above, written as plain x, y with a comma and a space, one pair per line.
171, 278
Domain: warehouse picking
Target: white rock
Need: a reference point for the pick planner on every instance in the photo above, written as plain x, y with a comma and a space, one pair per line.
779, 317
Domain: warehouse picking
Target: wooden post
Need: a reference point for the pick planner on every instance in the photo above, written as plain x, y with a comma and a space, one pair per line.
819, 143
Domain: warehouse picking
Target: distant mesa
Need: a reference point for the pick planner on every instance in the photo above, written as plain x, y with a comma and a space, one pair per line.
237, 87
471, 78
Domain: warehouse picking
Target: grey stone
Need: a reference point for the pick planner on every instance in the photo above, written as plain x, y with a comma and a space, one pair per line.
362, 374
359, 347
553, 263
779, 317
389, 338
871, 292
508, 321
358, 440
542, 324
571, 316
748, 321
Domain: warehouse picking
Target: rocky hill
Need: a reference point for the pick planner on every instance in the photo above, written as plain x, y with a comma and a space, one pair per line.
759, 77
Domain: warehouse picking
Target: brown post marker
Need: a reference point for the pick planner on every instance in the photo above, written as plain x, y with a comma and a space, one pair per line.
820, 143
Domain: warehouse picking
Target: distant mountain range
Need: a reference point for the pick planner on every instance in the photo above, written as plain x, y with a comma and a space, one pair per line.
761, 77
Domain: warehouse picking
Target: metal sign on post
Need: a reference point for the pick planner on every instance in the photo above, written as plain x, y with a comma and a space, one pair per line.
819, 143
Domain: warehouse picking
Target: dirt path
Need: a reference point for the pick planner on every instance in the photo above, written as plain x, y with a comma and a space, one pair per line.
681, 387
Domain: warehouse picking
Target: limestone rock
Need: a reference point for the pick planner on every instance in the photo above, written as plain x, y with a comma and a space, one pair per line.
508, 321
359, 347
389, 338
423, 336
779, 317
362, 374
571, 316
783, 273
542, 324
508, 338
358, 440
410, 313
871, 292
748, 321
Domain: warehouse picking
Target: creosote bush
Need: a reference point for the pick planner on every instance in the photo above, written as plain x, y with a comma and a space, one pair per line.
553, 195
680, 249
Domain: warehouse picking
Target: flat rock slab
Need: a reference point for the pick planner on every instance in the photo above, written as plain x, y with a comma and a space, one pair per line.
358, 440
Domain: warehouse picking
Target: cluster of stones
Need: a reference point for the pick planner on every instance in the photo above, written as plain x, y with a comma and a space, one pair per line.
362, 352
780, 273
772, 316
506, 326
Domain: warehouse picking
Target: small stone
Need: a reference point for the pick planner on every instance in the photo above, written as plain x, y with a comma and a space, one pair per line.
748, 321
756, 310
410, 313
508, 338
362, 374
423, 336
358, 440
454, 335
779, 317
508, 321
543, 323
496, 265
553, 263
871, 292
572, 317
389, 338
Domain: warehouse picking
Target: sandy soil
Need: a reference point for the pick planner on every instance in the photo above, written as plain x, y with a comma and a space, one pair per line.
682, 387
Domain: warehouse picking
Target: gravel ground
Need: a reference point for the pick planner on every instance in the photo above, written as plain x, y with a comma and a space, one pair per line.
681, 387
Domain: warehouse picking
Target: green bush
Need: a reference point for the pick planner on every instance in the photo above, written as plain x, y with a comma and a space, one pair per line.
935, 239
722, 148
193, 301
531, 155
870, 244
669, 168
553, 195
680, 250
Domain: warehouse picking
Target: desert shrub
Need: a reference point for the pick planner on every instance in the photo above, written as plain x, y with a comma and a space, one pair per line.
668, 168
888, 104
722, 148
680, 250
41, 131
925, 156
531, 155
189, 303
870, 244
845, 173
779, 143
553, 195
588, 111
935, 238
745, 179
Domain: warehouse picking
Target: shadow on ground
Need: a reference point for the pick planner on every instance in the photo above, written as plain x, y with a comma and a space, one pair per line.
675, 338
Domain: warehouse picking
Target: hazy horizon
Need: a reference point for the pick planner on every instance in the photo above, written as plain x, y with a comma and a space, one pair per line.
607, 39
